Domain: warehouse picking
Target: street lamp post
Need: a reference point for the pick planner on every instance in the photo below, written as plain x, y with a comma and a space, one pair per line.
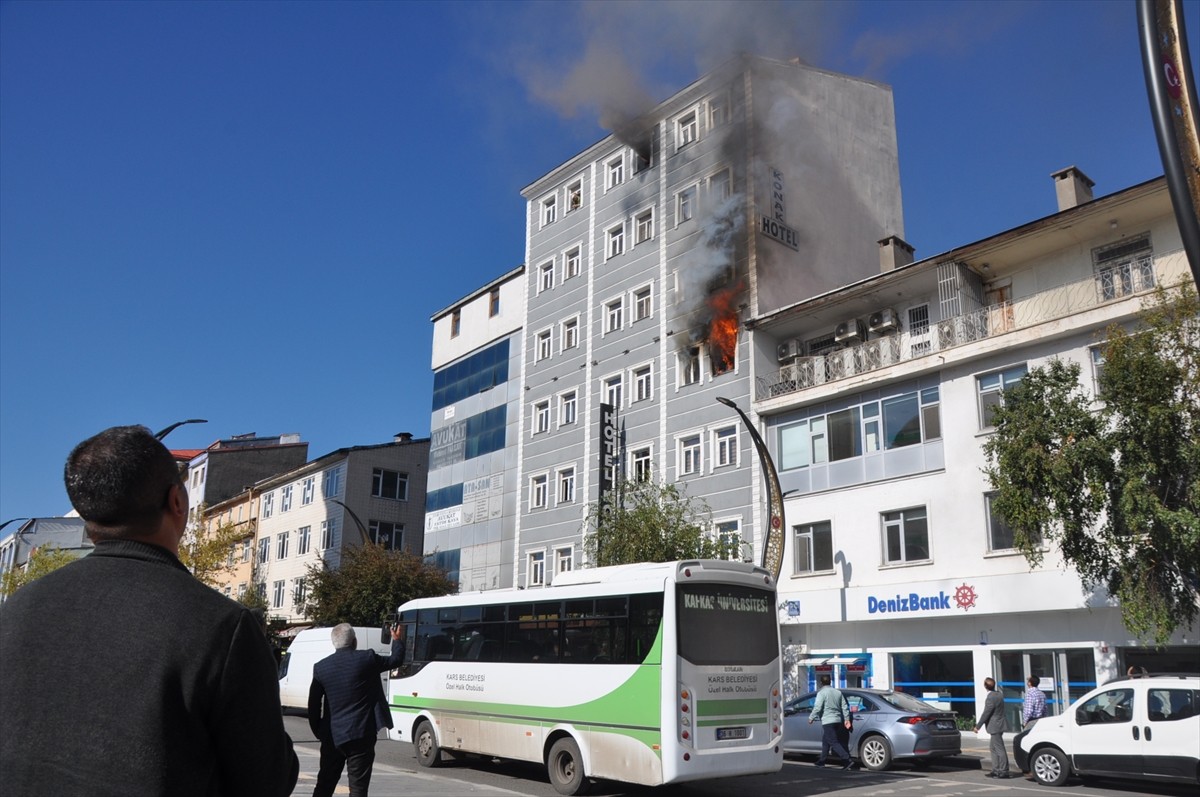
772, 555
176, 425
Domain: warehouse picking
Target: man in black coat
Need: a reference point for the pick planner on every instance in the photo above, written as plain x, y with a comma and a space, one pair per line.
121, 673
347, 707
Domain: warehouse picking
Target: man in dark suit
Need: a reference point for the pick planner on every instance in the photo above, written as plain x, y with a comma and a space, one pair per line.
346, 709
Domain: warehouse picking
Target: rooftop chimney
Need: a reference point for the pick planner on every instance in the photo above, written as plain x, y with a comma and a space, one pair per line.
1072, 187
894, 252
402, 437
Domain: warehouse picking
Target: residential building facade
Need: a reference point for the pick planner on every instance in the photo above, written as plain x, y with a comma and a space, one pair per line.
63, 533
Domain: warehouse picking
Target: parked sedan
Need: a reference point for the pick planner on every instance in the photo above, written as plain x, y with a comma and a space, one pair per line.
887, 725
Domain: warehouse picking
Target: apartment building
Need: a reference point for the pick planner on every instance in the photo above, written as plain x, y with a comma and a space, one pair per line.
647, 253
311, 514
875, 399
230, 465
471, 505
239, 512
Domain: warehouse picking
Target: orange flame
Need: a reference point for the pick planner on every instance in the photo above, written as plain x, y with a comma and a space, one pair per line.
723, 329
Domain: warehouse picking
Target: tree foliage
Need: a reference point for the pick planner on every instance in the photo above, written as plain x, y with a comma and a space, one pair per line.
205, 551
1115, 484
651, 521
370, 583
42, 560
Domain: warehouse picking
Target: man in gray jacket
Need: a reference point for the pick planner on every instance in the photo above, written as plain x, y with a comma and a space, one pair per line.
993, 719
834, 712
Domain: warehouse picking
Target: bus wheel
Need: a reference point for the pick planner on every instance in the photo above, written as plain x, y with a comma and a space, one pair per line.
428, 752
565, 766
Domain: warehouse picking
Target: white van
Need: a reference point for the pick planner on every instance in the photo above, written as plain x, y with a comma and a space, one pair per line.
1143, 728
310, 646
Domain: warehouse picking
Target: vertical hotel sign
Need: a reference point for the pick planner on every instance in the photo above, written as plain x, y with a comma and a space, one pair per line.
773, 225
608, 450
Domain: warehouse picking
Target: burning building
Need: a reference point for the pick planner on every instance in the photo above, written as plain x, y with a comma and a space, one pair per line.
761, 184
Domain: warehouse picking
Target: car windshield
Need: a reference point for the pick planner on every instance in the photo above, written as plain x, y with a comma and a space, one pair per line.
906, 702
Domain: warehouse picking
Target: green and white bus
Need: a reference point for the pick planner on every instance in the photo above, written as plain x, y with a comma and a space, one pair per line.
647, 674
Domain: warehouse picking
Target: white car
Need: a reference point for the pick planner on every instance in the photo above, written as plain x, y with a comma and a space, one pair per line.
1145, 728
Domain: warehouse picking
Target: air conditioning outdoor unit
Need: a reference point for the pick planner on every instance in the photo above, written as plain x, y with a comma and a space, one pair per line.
884, 320
848, 331
788, 350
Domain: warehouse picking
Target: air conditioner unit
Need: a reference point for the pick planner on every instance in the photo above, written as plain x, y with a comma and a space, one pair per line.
788, 350
848, 331
884, 320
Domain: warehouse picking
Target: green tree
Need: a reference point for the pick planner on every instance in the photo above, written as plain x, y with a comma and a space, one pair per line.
370, 583
1114, 484
652, 522
205, 551
42, 560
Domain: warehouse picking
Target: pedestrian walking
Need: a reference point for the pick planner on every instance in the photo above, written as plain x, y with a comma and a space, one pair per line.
833, 711
1033, 708
346, 709
123, 674
992, 718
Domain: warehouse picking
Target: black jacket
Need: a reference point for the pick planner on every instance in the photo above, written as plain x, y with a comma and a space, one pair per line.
345, 699
121, 674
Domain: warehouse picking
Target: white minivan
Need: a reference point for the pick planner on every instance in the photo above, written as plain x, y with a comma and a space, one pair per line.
310, 646
1144, 728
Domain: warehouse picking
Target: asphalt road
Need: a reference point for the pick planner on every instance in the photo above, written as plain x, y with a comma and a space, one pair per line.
397, 774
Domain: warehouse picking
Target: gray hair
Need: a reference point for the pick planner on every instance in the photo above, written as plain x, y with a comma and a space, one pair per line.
343, 637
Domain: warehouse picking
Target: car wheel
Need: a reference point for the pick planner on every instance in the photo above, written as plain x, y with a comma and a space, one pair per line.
1049, 765
565, 767
875, 753
425, 743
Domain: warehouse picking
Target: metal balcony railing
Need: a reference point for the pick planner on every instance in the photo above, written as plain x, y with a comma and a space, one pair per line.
1109, 284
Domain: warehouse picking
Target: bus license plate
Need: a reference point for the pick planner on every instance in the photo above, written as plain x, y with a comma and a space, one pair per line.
732, 733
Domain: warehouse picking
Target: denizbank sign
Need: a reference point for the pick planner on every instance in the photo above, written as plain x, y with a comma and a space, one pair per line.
773, 225
963, 597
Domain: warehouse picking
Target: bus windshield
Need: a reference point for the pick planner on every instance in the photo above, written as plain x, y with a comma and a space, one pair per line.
723, 624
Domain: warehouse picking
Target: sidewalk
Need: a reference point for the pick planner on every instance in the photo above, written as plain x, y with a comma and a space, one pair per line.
391, 781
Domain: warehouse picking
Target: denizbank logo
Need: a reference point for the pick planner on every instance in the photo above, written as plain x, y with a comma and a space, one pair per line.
964, 598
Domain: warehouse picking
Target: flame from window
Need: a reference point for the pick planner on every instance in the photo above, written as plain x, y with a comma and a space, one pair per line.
723, 329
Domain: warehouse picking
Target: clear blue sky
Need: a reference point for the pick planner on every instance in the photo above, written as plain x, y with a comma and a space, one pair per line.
247, 212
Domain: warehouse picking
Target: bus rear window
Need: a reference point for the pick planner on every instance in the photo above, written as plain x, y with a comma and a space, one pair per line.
725, 624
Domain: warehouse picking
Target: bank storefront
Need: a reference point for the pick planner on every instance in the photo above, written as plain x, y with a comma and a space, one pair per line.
938, 640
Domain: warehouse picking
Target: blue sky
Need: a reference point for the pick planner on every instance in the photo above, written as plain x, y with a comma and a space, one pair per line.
247, 212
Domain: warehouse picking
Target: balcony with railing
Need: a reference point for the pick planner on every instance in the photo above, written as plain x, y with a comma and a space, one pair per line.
1108, 286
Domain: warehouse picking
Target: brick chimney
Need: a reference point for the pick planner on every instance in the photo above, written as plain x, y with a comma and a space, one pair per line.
894, 252
1072, 187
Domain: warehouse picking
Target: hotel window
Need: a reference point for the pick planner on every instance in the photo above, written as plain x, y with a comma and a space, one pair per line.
689, 455
689, 365
725, 451
614, 315
303, 540
386, 535
389, 484
277, 602
575, 196
546, 276
455, 323
571, 264
729, 536
640, 465
612, 391
328, 533
541, 417
307, 492
614, 172
644, 227
536, 576
537, 491
268, 504
549, 210
564, 560
566, 486
264, 550
494, 303
542, 346
718, 111
567, 408
285, 498
991, 389
642, 383
642, 303
905, 536
685, 204
570, 333
814, 547
616, 241
332, 483
687, 130
720, 187
281, 545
